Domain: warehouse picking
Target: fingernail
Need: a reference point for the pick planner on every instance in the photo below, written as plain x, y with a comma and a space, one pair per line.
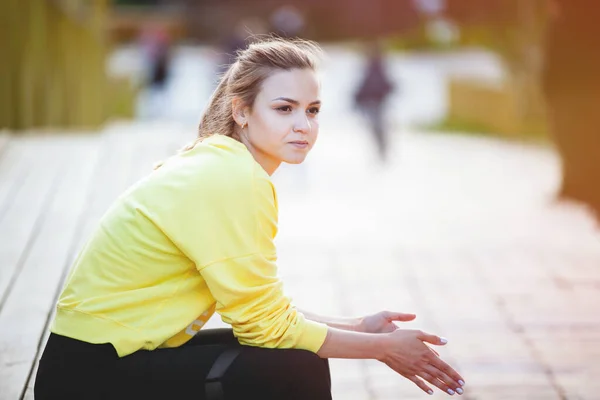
461, 382
443, 340
430, 391
459, 391
450, 392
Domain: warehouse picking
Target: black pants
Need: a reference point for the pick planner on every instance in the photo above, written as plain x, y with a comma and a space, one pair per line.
71, 369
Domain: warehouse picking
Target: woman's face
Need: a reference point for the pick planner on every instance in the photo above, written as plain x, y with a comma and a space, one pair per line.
282, 126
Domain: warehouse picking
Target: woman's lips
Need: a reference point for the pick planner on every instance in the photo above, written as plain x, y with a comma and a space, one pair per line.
300, 144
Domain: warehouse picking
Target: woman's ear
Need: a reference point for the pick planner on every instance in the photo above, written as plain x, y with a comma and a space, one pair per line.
239, 110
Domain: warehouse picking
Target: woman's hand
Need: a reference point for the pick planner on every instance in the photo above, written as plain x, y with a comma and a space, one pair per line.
382, 322
406, 353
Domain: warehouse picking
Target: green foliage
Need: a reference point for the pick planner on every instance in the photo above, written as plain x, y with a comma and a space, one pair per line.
456, 125
531, 133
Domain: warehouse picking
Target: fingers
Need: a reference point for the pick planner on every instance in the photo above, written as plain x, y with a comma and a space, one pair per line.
441, 380
433, 339
448, 370
396, 316
419, 382
433, 351
437, 383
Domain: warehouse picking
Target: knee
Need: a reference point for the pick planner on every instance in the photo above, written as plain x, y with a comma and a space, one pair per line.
311, 372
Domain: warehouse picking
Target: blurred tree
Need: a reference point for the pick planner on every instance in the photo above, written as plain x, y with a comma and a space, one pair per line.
52, 72
572, 88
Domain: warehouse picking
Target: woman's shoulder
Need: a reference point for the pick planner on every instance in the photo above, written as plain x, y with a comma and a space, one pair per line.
217, 164
221, 159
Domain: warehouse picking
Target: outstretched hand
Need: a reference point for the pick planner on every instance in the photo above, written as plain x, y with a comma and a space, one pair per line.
407, 353
383, 322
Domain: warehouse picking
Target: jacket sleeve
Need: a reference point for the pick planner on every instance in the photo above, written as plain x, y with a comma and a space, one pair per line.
250, 298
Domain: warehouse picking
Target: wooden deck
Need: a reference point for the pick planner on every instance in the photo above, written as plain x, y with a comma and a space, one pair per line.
458, 230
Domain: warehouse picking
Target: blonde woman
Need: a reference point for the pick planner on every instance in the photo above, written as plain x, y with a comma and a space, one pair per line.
195, 237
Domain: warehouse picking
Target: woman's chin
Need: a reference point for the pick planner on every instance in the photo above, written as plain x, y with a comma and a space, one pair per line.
295, 158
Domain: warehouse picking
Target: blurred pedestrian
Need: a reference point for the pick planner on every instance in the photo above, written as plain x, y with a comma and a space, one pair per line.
237, 40
156, 48
287, 21
374, 89
234, 41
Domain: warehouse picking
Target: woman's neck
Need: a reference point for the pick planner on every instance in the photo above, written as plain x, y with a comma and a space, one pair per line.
267, 162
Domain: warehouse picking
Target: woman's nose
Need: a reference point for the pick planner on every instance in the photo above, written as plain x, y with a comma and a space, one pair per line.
302, 125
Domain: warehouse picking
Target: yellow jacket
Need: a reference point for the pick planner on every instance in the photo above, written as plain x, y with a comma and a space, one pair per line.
194, 236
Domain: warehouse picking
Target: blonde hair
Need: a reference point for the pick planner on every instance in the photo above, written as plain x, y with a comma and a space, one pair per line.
243, 79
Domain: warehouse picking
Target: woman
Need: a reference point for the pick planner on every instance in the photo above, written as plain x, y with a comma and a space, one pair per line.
195, 237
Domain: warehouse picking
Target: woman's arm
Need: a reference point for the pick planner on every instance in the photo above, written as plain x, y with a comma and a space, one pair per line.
343, 323
402, 350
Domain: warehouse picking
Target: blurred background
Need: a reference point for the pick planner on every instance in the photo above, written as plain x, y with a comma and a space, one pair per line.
456, 175
493, 68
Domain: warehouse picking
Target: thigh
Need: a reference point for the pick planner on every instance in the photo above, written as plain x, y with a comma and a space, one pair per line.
260, 373
278, 374
177, 373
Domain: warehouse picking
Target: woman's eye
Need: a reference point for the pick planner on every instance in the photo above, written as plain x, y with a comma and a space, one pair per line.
314, 110
285, 108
